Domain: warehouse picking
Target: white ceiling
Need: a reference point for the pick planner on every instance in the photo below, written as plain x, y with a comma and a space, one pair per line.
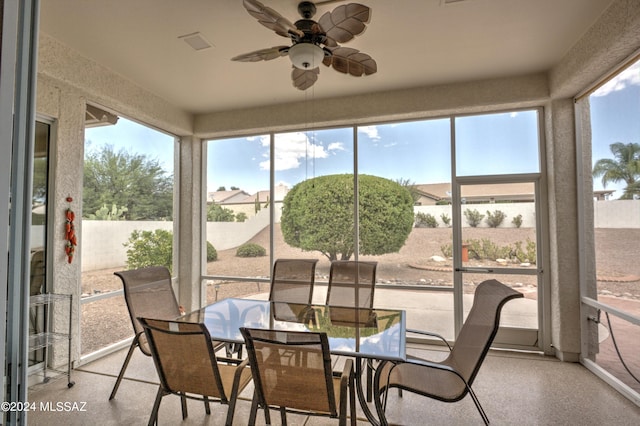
415, 43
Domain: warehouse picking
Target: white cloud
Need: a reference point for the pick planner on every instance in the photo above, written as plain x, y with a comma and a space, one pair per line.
336, 146
291, 150
628, 77
370, 131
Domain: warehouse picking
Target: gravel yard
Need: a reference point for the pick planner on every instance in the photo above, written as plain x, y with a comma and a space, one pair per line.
107, 321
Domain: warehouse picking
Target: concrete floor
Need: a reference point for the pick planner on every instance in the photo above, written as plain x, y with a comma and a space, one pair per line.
514, 388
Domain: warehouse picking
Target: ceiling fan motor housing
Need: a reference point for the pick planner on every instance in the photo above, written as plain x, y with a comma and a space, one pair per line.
306, 9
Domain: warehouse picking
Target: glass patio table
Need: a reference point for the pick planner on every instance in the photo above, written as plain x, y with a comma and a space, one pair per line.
354, 332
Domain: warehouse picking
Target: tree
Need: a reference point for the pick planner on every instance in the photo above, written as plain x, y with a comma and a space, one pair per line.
318, 214
412, 187
132, 181
625, 166
104, 213
217, 213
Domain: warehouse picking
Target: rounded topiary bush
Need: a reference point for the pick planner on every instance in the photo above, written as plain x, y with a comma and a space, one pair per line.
212, 253
251, 250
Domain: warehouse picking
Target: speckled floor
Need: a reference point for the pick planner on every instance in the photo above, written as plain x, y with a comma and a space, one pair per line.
514, 388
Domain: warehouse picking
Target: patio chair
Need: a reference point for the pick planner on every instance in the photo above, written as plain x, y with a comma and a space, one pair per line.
187, 366
306, 385
36, 286
341, 291
450, 380
343, 276
148, 293
292, 280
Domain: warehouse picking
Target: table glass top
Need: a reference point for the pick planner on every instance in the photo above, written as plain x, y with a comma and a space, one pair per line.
370, 333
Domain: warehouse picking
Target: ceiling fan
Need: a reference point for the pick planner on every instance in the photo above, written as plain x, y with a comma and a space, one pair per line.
314, 42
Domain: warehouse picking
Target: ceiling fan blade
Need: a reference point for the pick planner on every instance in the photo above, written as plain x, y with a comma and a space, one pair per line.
271, 19
303, 79
345, 22
263, 54
351, 61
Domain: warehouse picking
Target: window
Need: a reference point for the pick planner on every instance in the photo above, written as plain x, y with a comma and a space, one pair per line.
307, 181
128, 198
611, 152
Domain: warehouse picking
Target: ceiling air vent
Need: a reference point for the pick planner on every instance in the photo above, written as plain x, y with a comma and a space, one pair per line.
196, 41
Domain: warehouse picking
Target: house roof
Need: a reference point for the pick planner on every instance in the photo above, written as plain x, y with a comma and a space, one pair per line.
226, 197
510, 191
416, 43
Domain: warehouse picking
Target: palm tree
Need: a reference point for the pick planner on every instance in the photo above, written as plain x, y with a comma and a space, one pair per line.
625, 166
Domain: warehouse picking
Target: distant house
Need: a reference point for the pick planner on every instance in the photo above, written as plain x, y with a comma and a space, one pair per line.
440, 193
603, 194
241, 201
226, 197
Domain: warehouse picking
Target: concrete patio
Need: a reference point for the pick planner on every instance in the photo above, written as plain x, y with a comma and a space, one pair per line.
514, 388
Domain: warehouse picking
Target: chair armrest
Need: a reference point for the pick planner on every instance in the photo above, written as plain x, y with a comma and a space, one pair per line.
429, 333
347, 370
228, 360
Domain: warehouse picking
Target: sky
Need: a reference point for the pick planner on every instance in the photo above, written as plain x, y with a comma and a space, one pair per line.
418, 151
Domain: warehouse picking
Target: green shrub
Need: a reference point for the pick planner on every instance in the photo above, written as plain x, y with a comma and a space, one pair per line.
474, 217
212, 253
425, 220
485, 249
495, 219
251, 250
447, 250
517, 221
150, 248
528, 254
317, 215
445, 219
217, 213
241, 217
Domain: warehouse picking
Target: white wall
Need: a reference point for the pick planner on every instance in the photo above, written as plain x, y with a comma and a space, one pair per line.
616, 214
102, 241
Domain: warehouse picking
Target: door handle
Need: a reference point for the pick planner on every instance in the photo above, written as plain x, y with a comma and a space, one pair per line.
485, 270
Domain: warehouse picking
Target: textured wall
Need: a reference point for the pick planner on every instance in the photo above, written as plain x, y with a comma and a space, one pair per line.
563, 230
104, 87
487, 95
613, 38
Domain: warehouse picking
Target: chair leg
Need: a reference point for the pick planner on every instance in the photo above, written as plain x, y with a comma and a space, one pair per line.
254, 411
485, 419
283, 416
207, 409
124, 367
153, 420
369, 380
183, 403
352, 400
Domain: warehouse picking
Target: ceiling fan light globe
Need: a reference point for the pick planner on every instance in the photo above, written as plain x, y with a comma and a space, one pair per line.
306, 56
